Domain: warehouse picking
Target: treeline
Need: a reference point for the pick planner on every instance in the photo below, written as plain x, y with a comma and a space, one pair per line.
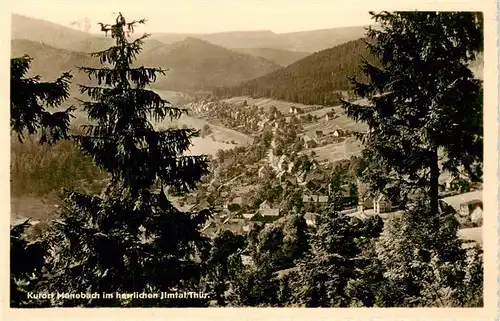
320, 78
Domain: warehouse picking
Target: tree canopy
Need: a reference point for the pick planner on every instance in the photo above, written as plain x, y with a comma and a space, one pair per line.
425, 106
130, 238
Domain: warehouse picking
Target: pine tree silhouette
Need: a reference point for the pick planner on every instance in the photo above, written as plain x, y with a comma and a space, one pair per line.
130, 238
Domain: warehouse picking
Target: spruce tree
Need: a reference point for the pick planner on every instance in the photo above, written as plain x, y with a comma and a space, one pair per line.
424, 263
425, 113
130, 238
325, 275
30, 99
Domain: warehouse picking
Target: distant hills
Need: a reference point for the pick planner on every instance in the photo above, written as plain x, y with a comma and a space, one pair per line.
317, 40
278, 56
193, 64
54, 35
303, 41
67, 38
237, 63
195, 61
315, 79
48, 33
50, 62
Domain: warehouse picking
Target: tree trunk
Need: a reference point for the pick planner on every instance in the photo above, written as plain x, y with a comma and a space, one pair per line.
434, 182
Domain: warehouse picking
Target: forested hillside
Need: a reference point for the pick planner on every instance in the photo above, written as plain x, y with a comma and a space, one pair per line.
316, 79
278, 56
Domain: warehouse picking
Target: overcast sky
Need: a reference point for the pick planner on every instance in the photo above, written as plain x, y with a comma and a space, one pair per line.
203, 16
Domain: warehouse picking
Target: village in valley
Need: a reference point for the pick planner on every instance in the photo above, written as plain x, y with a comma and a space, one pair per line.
303, 145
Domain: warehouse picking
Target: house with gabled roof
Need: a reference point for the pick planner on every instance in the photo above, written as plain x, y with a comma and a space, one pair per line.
234, 204
209, 229
381, 204
322, 200
476, 216
271, 212
261, 172
283, 163
309, 198
265, 205
309, 142
248, 216
310, 218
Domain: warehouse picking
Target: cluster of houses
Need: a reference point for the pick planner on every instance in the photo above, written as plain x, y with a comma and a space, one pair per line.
314, 184
239, 222
314, 138
247, 118
468, 206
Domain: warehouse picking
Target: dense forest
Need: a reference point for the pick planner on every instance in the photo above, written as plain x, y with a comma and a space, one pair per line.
278, 56
316, 79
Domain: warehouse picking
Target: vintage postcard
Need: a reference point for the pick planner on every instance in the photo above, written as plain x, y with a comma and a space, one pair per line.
251, 154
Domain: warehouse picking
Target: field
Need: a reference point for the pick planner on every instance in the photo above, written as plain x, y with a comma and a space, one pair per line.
331, 152
342, 121
220, 138
335, 152
266, 103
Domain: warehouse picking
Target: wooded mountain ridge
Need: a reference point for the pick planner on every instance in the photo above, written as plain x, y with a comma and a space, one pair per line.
315, 79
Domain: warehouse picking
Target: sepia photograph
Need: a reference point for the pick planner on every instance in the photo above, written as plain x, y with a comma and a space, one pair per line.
241, 159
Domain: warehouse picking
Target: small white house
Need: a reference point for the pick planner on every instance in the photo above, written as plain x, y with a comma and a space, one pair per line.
339, 133
310, 218
381, 204
476, 215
